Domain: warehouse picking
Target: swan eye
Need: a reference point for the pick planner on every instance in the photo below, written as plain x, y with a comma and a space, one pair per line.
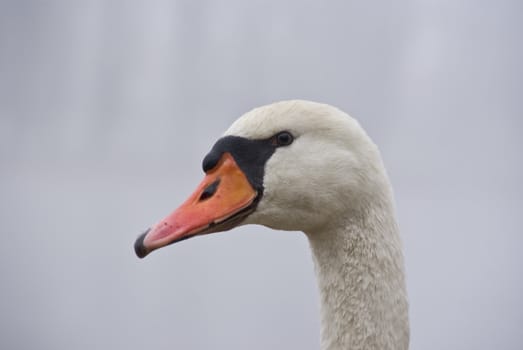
283, 138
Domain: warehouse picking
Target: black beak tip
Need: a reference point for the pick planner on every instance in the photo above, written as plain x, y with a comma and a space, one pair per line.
139, 247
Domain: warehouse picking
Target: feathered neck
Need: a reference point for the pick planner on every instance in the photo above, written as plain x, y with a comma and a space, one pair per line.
359, 267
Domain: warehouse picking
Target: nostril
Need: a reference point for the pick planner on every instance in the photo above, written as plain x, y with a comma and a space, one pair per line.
209, 190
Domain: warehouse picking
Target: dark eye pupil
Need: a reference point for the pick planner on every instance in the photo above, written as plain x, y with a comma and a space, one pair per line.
284, 138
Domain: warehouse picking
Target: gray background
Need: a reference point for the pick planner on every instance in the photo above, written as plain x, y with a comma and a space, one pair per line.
108, 107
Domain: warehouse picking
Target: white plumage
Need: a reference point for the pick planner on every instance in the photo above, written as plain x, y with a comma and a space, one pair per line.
331, 184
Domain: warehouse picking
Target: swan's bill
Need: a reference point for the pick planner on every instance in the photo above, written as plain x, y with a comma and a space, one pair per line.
220, 202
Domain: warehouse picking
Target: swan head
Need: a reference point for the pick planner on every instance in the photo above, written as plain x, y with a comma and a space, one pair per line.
292, 165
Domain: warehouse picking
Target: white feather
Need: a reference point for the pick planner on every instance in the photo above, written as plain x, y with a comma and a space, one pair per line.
331, 184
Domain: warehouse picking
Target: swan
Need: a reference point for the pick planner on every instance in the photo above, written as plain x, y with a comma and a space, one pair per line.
305, 166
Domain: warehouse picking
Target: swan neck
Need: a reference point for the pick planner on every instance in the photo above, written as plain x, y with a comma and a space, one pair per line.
359, 267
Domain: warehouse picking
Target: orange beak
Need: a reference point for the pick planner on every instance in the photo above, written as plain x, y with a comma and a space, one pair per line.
220, 202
